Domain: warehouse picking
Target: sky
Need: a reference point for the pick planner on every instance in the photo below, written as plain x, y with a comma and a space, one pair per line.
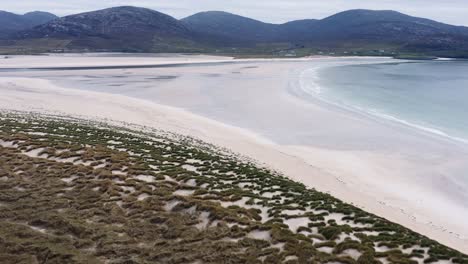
273, 11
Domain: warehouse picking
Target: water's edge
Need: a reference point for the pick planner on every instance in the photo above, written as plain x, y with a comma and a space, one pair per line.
309, 88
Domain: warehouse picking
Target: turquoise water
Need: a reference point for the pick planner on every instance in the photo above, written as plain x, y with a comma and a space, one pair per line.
431, 95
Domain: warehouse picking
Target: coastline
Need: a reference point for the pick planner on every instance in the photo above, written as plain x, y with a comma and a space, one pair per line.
21, 94
315, 91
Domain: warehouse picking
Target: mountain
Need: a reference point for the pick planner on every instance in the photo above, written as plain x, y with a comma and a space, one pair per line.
231, 27
10, 22
143, 30
385, 27
239, 29
345, 28
297, 30
125, 28
39, 17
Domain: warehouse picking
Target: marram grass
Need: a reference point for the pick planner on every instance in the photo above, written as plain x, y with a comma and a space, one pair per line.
78, 192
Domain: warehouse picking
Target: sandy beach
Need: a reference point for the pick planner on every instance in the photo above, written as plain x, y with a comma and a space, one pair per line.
254, 107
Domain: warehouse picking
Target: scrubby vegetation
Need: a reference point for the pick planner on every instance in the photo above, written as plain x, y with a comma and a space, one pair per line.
76, 192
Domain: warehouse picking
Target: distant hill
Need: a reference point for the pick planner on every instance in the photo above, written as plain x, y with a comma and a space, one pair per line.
143, 30
10, 22
241, 29
367, 26
125, 28
345, 28
296, 30
39, 17
237, 29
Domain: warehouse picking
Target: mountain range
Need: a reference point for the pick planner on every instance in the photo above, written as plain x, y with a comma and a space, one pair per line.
10, 22
137, 29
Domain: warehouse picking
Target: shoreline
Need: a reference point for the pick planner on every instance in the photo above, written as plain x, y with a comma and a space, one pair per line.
21, 94
314, 93
107, 61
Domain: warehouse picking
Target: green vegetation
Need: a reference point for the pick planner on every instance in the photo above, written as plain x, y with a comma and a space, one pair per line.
72, 191
415, 57
258, 50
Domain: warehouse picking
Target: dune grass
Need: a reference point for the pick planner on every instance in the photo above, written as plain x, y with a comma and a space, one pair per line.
73, 191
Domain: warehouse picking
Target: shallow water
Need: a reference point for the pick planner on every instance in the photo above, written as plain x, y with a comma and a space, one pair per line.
426, 95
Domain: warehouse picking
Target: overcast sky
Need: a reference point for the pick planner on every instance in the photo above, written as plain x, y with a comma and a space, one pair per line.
274, 11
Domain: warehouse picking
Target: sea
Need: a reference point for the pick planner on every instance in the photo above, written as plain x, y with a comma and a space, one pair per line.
426, 95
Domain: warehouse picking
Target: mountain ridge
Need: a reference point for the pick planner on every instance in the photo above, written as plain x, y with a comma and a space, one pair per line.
128, 28
11, 22
133, 28
366, 27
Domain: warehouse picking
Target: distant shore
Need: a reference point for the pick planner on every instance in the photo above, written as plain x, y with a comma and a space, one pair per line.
235, 56
355, 176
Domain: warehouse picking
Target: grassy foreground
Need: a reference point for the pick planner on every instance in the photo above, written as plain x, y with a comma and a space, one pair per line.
78, 192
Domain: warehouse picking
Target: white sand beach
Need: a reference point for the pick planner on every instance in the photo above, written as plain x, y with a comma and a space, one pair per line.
101, 59
254, 107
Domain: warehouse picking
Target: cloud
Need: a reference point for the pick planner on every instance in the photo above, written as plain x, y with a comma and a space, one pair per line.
275, 11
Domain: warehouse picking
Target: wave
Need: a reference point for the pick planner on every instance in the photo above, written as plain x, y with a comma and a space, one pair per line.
427, 129
311, 87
